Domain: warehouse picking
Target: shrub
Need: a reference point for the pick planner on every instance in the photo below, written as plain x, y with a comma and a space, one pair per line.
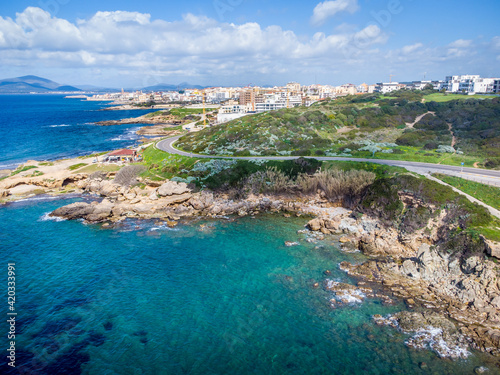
431, 146
336, 184
302, 152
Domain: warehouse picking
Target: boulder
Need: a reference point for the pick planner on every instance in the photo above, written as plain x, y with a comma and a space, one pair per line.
492, 248
73, 211
109, 189
173, 188
315, 224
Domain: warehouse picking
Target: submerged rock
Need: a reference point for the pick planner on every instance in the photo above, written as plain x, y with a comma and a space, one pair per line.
345, 294
430, 331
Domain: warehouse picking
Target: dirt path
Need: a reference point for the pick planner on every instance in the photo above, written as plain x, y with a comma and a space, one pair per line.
412, 124
453, 138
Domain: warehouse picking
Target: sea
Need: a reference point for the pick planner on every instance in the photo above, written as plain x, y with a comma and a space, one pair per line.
219, 296
51, 127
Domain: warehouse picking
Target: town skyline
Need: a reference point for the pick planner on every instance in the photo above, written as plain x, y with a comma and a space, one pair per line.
237, 43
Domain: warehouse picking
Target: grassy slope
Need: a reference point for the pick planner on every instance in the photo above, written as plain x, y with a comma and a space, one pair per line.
327, 128
485, 193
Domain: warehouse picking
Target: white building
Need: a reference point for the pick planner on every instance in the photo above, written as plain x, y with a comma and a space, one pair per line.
471, 84
385, 88
420, 85
496, 86
230, 112
484, 85
273, 102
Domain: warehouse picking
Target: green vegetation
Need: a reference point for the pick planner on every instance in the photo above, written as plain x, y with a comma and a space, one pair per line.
21, 169
76, 166
179, 114
485, 193
46, 164
382, 200
441, 98
492, 232
380, 170
161, 165
36, 174
363, 126
99, 168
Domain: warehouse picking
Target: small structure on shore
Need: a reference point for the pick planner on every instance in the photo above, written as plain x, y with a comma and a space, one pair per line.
124, 155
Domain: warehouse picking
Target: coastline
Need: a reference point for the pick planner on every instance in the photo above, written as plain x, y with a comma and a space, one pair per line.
461, 294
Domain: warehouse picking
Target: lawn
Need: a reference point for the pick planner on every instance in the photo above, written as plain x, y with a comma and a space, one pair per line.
99, 168
487, 194
440, 98
162, 165
76, 166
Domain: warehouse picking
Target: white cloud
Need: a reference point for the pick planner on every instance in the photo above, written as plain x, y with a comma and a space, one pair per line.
131, 39
134, 46
495, 42
411, 48
461, 43
328, 9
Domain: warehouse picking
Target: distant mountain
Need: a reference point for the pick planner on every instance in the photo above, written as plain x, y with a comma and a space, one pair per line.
27, 84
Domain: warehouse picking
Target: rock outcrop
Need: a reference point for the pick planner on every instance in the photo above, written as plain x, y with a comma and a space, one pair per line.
461, 285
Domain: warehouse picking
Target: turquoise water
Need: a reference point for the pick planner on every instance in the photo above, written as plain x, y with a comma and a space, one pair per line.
207, 297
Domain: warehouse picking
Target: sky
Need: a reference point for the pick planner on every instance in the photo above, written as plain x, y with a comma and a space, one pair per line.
240, 42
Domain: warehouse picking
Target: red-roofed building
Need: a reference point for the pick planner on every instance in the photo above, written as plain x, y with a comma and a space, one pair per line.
123, 155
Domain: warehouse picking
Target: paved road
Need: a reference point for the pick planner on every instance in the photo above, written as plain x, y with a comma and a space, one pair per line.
481, 175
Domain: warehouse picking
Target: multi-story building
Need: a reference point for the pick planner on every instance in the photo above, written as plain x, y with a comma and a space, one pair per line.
385, 88
247, 97
496, 86
347, 89
230, 112
293, 87
363, 88
471, 84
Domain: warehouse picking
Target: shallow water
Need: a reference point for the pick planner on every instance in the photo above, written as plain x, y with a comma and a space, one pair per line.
207, 297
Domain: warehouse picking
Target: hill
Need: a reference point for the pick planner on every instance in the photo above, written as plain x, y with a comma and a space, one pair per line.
30, 83
403, 126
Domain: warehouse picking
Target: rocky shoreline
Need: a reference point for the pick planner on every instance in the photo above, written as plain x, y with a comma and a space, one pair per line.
463, 291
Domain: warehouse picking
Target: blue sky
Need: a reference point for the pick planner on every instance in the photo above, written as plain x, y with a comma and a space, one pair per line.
237, 42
